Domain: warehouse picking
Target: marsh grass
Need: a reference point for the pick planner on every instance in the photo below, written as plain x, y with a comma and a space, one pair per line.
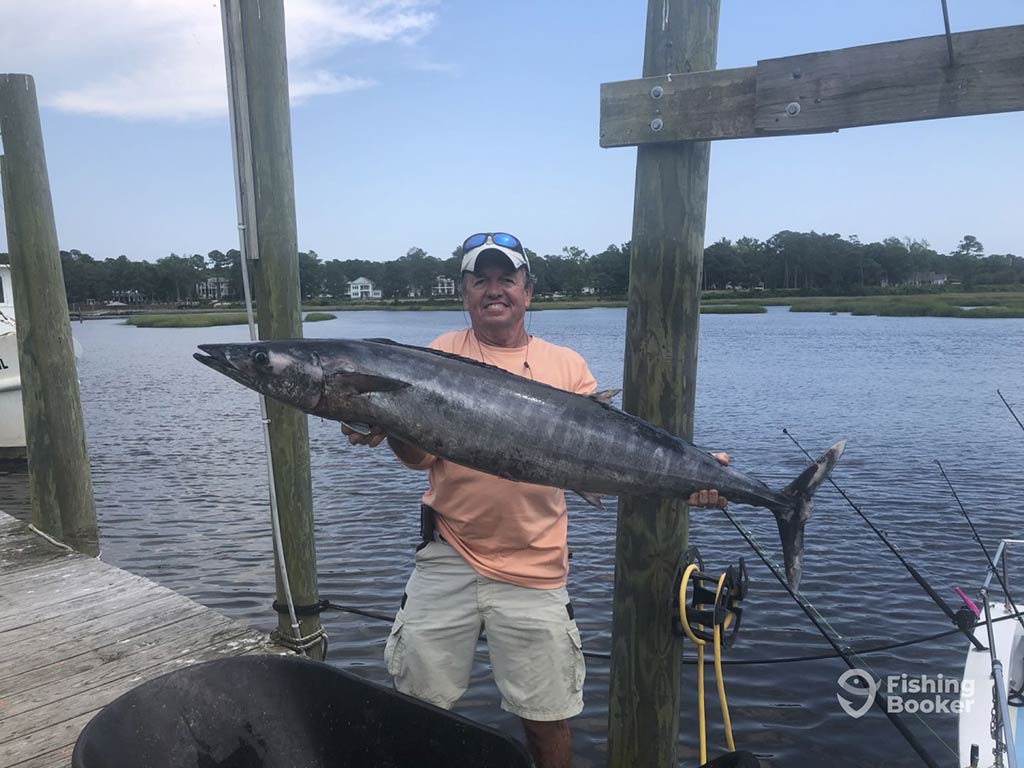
732, 309
206, 319
981, 305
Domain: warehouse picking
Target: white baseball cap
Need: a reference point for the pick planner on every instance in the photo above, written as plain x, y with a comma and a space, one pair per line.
497, 242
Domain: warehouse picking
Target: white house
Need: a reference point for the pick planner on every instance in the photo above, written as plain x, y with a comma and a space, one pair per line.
443, 286
213, 288
363, 288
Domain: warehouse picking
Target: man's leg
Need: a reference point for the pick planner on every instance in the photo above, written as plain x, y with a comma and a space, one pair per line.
550, 743
538, 664
430, 650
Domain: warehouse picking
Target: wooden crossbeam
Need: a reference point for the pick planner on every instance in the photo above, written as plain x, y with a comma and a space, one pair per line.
893, 82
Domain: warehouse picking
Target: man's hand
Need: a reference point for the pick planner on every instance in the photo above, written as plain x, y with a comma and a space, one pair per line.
375, 438
709, 497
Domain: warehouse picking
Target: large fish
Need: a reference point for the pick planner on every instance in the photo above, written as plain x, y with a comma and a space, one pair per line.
485, 418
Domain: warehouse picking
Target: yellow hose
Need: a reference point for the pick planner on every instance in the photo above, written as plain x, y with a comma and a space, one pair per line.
719, 679
700, 660
700, 705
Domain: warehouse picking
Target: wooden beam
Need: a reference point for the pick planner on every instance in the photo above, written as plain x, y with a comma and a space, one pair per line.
60, 483
893, 82
263, 57
659, 384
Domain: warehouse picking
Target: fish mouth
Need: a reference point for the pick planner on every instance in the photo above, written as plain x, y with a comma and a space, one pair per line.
215, 359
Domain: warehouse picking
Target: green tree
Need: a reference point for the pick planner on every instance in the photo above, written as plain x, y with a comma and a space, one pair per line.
609, 271
336, 279
310, 275
969, 246
176, 277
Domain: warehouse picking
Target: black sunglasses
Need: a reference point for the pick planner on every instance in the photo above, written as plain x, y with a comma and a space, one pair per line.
503, 239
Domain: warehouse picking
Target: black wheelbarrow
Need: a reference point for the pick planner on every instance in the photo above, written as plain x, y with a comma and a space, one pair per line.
283, 712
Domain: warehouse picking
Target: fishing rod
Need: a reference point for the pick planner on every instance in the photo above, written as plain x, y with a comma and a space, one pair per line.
991, 563
960, 623
1009, 408
845, 652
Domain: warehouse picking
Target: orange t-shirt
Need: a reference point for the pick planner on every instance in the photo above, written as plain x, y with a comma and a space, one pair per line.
507, 531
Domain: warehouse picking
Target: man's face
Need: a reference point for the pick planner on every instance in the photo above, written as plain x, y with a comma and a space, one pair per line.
496, 298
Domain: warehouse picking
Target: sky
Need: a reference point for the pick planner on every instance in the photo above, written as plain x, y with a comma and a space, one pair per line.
418, 122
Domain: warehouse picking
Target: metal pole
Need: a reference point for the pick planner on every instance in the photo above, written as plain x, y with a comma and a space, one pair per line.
1001, 733
949, 37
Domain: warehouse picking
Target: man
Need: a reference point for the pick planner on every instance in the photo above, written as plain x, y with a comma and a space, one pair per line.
497, 557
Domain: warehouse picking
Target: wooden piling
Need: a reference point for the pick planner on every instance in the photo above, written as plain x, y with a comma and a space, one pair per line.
659, 385
276, 278
60, 483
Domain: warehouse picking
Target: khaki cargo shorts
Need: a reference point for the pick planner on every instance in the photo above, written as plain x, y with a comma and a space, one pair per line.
532, 638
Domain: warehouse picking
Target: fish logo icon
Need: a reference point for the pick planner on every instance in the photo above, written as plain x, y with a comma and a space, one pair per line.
861, 684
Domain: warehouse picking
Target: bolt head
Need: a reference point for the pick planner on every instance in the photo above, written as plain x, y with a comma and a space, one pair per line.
657, 124
657, 92
793, 109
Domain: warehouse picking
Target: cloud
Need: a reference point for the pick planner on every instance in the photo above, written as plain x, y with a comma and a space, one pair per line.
164, 59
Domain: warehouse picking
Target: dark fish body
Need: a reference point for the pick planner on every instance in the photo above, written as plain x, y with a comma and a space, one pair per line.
488, 419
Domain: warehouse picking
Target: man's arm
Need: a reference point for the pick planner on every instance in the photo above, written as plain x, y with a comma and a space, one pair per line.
407, 454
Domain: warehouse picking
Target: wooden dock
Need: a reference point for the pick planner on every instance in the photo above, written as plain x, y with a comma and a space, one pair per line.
76, 633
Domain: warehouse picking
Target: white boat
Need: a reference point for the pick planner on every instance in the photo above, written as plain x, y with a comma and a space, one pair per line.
12, 422
991, 702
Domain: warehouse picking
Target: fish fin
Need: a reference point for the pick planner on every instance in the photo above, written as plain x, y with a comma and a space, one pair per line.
593, 499
367, 382
358, 427
792, 517
605, 397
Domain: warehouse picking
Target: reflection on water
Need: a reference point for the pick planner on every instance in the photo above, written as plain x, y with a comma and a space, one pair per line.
181, 493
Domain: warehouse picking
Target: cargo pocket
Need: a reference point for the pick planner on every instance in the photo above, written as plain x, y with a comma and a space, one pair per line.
395, 647
579, 665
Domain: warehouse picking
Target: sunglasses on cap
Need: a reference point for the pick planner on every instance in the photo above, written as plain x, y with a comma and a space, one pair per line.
504, 239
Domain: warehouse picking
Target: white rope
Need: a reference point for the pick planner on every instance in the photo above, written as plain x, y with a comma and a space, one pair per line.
50, 539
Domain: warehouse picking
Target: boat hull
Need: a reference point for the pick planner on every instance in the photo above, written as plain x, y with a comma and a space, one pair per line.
976, 688
12, 420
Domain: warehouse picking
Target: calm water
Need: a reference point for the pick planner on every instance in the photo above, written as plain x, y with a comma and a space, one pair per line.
181, 493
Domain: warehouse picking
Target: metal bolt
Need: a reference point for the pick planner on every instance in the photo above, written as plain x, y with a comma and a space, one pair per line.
657, 124
792, 109
657, 92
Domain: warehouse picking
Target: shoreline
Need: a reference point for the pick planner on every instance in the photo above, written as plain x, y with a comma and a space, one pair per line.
966, 305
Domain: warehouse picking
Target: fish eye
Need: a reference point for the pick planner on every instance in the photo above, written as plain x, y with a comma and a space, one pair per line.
260, 357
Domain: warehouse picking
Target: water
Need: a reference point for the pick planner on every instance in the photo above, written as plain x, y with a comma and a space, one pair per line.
181, 495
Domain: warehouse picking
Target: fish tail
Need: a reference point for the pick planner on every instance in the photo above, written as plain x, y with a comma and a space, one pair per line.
791, 516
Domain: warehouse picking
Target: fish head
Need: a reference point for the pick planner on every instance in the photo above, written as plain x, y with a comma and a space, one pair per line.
288, 371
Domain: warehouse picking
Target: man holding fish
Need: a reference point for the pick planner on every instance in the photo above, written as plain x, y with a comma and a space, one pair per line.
495, 554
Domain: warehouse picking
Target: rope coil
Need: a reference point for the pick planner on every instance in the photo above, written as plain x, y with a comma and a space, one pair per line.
302, 643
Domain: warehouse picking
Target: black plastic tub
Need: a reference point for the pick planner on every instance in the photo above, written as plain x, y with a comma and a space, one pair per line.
283, 712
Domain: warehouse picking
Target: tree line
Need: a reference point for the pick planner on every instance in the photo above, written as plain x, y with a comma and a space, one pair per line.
807, 262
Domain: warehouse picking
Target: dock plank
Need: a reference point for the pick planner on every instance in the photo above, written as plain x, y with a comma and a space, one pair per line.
78, 632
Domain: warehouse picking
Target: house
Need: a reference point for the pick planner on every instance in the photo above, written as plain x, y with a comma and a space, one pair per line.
363, 288
443, 286
125, 297
213, 288
917, 278
927, 278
